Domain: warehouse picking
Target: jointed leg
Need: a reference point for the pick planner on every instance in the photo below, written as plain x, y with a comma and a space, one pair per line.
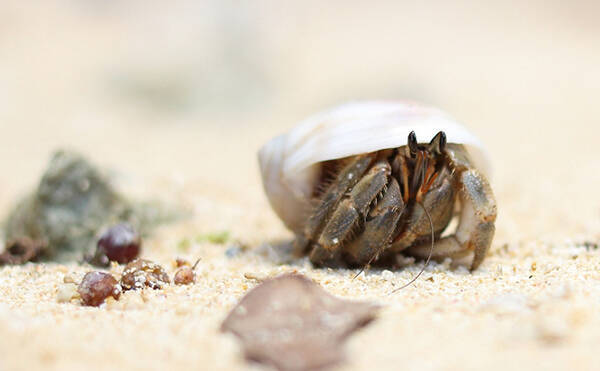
345, 180
356, 205
379, 227
476, 228
352, 209
439, 202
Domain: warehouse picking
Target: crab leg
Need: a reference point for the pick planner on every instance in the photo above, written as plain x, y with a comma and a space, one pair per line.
352, 209
345, 180
476, 228
438, 201
379, 227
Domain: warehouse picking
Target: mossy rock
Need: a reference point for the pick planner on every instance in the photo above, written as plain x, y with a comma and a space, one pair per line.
73, 203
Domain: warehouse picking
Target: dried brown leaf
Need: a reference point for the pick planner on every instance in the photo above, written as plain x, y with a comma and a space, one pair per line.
291, 323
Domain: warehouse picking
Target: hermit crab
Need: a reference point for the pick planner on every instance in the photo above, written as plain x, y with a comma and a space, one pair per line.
365, 181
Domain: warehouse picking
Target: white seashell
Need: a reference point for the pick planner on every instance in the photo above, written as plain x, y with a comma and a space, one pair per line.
289, 163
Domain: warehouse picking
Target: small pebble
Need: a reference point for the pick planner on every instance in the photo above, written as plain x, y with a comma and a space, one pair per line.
180, 262
255, 277
233, 251
120, 243
142, 273
387, 275
185, 275
95, 287
66, 292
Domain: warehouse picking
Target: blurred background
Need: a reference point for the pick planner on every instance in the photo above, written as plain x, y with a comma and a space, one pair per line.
185, 92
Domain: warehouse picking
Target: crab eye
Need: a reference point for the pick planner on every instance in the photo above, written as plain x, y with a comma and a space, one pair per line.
412, 144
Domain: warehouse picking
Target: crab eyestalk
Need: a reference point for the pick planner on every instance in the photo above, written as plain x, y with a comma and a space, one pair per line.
427, 160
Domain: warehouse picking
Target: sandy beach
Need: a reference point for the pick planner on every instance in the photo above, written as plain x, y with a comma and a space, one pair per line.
175, 100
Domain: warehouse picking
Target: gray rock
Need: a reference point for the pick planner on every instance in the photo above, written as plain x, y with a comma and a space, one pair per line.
72, 204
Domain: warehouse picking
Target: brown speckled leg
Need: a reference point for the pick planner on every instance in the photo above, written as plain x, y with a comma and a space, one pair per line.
439, 202
476, 228
352, 209
379, 227
345, 180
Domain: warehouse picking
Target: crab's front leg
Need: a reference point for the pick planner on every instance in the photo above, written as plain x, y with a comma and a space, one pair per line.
379, 227
476, 226
348, 213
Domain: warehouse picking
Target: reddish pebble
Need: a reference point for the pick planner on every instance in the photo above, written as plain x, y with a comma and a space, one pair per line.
180, 262
142, 273
95, 287
120, 243
184, 276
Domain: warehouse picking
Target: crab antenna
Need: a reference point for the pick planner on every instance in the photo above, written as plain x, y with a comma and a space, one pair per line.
365, 266
428, 257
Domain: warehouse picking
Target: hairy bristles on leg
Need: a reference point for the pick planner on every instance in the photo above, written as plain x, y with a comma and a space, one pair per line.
325, 182
428, 257
328, 174
383, 247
